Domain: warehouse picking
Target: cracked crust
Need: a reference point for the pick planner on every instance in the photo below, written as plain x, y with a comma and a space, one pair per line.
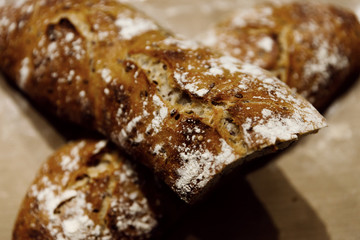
183, 110
313, 48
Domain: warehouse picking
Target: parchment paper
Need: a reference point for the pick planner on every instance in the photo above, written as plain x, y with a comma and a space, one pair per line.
312, 191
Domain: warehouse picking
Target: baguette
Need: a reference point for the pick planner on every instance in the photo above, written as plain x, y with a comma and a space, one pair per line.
88, 190
186, 112
312, 47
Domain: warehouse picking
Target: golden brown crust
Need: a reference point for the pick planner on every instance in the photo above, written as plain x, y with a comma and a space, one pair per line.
186, 112
314, 48
88, 190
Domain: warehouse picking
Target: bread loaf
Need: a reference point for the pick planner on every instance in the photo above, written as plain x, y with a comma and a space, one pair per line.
188, 113
312, 47
88, 190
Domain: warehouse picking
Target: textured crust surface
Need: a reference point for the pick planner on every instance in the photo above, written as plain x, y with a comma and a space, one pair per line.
186, 112
86, 190
314, 48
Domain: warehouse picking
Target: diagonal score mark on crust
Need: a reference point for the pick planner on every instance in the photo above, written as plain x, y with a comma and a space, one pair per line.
242, 137
305, 115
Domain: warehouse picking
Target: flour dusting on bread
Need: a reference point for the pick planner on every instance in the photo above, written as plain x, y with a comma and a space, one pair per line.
131, 26
174, 105
100, 197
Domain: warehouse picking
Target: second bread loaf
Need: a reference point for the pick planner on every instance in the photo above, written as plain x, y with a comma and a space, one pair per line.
88, 190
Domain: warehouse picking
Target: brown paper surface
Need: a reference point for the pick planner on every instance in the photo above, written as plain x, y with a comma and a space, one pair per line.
312, 191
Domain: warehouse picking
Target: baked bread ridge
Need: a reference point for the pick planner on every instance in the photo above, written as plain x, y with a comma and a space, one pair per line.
184, 111
312, 47
87, 190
